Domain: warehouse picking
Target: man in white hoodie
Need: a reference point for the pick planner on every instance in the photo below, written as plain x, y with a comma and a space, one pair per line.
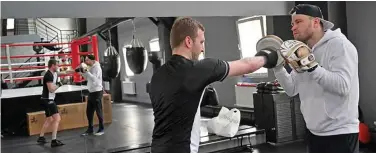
94, 103
329, 90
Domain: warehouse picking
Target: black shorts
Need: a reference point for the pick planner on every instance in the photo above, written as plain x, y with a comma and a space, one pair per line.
343, 143
50, 107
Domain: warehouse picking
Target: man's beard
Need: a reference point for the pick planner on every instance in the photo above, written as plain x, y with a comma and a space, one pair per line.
195, 56
304, 39
308, 37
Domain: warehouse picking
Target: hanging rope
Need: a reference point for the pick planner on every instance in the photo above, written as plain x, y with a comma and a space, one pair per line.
109, 38
134, 29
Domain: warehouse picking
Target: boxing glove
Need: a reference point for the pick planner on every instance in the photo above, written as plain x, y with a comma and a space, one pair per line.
271, 58
268, 47
299, 56
59, 84
79, 69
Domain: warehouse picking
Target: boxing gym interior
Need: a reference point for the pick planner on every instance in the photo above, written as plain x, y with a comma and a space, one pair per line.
131, 40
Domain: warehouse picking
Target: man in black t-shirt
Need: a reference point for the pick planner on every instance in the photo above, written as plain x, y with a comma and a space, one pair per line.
177, 87
50, 85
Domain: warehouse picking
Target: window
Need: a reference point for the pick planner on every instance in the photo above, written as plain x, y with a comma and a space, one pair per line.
154, 45
10, 24
128, 70
250, 30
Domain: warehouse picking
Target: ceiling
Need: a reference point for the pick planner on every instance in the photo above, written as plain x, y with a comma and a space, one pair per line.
102, 9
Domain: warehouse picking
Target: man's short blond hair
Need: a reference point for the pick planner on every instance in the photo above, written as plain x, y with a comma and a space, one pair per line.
183, 27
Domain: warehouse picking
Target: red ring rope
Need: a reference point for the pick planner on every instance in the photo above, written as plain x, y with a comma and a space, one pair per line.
44, 55
36, 44
74, 55
33, 78
37, 55
30, 67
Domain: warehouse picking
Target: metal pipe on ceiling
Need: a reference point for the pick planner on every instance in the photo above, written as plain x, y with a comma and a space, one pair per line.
106, 26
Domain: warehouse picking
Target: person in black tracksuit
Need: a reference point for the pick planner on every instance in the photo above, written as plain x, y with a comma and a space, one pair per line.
177, 87
95, 87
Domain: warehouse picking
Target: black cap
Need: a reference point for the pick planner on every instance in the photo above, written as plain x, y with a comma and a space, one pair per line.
313, 11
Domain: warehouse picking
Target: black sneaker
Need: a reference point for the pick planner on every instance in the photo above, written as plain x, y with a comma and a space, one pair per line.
99, 132
42, 140
56, 143
88, 132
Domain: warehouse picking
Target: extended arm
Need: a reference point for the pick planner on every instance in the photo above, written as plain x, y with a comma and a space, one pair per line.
246, 65
66, 72
263, 58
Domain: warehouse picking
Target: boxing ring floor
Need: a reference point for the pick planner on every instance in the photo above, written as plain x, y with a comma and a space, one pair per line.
132, 125
37, 91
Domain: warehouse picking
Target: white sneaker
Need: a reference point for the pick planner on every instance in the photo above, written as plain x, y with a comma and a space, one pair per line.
101, 132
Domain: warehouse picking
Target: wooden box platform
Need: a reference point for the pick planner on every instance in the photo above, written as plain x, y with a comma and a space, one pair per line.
72, 116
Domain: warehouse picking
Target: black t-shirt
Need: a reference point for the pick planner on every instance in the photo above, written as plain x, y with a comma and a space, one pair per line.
176, 91
48, 77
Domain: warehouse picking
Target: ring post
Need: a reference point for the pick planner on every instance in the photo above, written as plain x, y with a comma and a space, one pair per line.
94, 47
75, 60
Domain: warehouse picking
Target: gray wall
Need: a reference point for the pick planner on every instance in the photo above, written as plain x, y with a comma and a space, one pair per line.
145, 31
361, 31
92, 23
221, 42
62, 23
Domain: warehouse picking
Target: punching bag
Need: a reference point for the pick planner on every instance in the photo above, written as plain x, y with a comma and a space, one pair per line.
111, 65
136, 55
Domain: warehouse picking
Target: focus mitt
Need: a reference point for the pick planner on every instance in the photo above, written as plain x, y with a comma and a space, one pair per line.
81, 68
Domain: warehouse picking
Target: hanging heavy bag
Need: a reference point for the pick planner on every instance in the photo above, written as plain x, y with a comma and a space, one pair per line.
136, 56
136, 59
111, 63
210, 97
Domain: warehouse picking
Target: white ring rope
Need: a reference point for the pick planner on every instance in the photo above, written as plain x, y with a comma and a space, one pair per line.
25, 78
22, 71
9, 63
19, 64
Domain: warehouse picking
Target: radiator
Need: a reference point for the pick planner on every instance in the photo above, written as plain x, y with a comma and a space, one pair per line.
244, 95
129, 87
280, 116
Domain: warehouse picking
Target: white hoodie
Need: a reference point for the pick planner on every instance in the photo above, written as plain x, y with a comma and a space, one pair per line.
94, 78
330, 94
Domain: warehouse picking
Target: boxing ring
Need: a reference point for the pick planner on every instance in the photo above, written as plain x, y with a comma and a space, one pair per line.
16, 102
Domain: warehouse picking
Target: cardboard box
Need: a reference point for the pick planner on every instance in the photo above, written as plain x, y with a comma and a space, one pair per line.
107, 110
35, 121
72, 116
